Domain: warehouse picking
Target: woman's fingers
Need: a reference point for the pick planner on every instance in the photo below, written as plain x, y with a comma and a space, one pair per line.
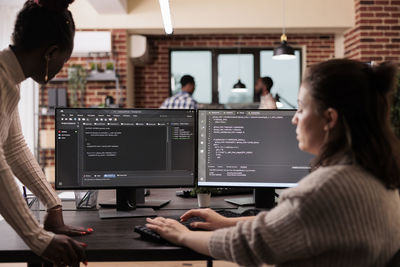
63, 251
194, 213
201, 225
154, 227
156, 221
79, 229
72, 255
72, 231
159, 224
169, 229
79, 249
65, 257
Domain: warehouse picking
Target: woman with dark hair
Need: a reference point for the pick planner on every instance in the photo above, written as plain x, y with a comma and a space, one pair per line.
346, 212
42, 43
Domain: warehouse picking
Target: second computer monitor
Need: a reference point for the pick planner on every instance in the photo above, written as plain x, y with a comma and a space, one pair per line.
249, 148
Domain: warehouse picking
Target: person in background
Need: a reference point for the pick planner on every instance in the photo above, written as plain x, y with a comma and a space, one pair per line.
263, 93
346, 212
183, 99
42, 42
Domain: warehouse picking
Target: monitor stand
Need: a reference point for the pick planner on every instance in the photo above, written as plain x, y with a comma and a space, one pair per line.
130, 203
263, 198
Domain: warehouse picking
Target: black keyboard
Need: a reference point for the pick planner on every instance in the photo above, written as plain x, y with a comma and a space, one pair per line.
223, 191
150, 235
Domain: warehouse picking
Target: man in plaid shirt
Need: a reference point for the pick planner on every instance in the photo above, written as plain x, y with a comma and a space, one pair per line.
183, 99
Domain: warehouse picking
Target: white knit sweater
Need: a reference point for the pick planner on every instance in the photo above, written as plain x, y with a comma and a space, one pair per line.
16, 159
336, 216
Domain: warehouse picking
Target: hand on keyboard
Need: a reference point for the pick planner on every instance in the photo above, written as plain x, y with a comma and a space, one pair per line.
168, 229
199, 219
212, 219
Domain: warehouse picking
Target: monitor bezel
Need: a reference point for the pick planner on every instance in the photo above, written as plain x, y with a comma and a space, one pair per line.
235, 185
136, 186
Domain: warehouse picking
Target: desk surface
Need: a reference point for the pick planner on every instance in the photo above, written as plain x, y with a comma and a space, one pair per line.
113, 240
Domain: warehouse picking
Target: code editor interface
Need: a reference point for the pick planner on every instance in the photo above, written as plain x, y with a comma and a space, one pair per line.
249, 148
117, 147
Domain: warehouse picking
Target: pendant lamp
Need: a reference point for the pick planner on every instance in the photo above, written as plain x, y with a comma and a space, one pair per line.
284, 51
239, 86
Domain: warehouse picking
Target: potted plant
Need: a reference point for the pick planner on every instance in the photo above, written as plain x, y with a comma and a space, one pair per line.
100, 67
110, 66
203, 196
395, 112
77, 75
93, 68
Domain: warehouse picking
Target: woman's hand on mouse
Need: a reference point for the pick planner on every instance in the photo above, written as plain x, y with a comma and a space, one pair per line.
212, 219
54, 222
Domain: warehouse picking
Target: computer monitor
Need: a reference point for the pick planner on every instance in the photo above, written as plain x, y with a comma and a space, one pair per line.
250, 148
125, 149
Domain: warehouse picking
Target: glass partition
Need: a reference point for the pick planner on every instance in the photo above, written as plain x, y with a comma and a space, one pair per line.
195, 63
231, 68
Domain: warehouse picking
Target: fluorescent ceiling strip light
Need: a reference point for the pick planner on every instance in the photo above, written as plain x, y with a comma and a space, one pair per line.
166, 15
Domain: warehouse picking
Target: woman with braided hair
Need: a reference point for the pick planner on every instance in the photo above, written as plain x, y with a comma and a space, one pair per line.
42, 42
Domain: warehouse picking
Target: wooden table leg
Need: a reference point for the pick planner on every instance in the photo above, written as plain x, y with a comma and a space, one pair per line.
209, 263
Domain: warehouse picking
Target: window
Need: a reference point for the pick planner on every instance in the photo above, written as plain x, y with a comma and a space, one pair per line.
195, 63
285, 74
217, 70
231, 68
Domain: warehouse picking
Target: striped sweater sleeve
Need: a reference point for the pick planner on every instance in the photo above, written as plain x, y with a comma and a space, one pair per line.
15, 211
25, 166
273, 237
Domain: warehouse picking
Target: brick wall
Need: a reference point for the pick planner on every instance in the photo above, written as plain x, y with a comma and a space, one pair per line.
376, 35
95, 91
152, 80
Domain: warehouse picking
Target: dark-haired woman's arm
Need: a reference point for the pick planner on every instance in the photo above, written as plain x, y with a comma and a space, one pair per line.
28, 171
15, 211
25, 167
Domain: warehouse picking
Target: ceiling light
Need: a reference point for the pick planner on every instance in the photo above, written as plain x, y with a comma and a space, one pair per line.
284, 51
166, 16
239, 86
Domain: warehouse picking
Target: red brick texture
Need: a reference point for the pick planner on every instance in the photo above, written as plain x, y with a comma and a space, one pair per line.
95, 90
376, 35
152, 80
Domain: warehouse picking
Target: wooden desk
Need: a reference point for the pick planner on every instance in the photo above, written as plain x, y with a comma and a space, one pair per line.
113, 240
